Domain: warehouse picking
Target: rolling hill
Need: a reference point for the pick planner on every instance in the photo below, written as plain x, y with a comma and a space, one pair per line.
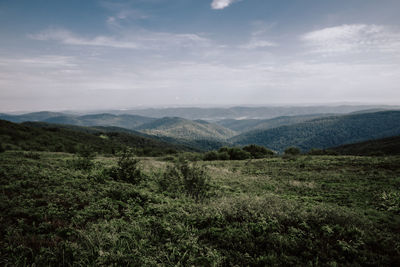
377, 147
326, 132
246, 125
186, 129
38, 136
182, 144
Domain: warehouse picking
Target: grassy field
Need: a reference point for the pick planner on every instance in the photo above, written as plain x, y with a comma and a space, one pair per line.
293, 211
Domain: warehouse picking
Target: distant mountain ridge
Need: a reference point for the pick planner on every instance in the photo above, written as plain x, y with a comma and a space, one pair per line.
307, 131
186, 129
244, 112
254, 124
325, 132
105, 119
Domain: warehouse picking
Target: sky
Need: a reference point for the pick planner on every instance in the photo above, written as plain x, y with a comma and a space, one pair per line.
103, 54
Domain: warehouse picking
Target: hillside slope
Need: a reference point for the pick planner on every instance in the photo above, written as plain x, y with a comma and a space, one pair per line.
245, 125
186, 129
326, 132
47, 137
384, 146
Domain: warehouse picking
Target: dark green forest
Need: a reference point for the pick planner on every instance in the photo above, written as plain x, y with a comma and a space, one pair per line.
326, 132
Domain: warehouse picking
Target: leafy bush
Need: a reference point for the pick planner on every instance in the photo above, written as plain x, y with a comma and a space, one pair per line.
195, 180
236, 153
214, 155
211, 155
292, 151
258, 152
128, 169
186, 178
2, 149
171, 180
83, 161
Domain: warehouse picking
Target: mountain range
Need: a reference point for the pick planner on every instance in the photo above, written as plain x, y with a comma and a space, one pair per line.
306, 131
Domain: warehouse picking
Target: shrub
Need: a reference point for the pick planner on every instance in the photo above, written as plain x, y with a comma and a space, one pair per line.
236, 153
212, 155
223, 156
195, 180
128, 169
186, 178
292, 151
171, 180
258, 152
83, 161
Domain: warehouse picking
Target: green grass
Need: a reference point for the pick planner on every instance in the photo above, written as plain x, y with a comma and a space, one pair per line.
298, 211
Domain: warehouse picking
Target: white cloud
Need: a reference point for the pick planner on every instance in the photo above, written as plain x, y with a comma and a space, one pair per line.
221, 4
353, 38
50, 61
140, 39
256, 44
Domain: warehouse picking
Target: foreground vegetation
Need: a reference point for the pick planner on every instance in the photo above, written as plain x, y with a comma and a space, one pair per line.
300, 210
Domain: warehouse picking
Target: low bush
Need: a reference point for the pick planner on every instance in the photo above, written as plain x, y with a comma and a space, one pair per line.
294, 151
82, 161
258, 152
195, 180
186, 178
127, 169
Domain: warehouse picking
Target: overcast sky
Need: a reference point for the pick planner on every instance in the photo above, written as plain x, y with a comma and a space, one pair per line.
76, 54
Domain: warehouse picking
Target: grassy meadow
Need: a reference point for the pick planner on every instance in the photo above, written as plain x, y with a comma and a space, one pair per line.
59, 209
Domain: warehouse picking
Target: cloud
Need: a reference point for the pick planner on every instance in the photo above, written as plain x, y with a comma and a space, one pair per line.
257, 44
353, 38
139, 39
67, 37
45, 61
221, 4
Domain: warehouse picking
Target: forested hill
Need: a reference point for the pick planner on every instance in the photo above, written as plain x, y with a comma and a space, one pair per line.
186, 129
378, 147
48, 137
246, 125
326, 132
